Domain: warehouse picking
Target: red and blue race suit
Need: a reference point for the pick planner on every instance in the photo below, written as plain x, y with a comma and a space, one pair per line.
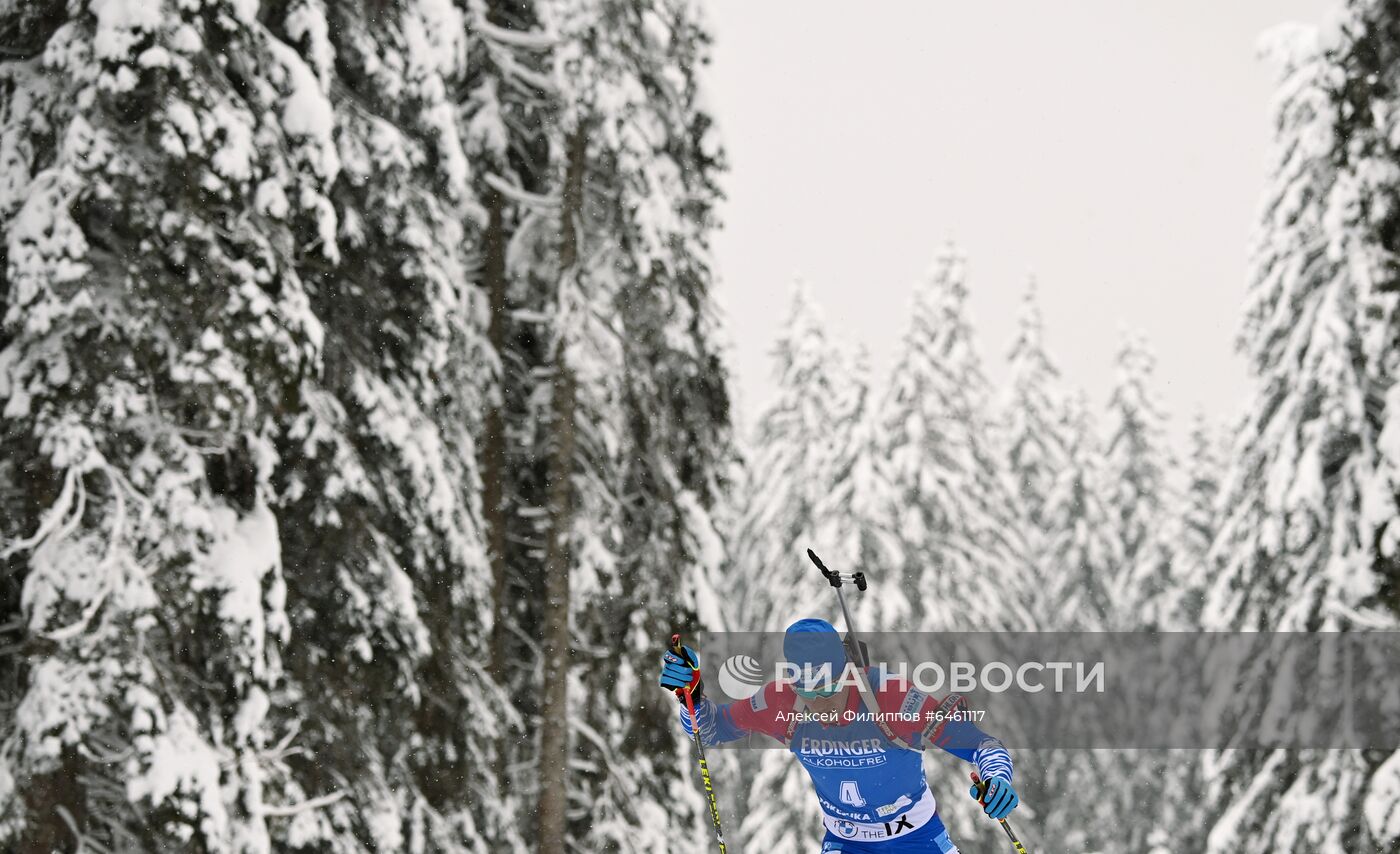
872, 791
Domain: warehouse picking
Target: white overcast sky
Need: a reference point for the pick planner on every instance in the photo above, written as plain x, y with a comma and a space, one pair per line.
1114, 148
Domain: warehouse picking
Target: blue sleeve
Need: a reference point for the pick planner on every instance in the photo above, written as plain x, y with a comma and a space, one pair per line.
716, 722
964, 740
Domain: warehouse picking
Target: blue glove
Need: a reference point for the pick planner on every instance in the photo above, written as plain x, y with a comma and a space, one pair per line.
1000, 799
678, 671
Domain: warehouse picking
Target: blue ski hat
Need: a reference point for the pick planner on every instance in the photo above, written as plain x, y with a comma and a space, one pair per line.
815, 647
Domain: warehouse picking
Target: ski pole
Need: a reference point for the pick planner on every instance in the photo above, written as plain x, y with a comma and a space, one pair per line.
1005, 825
835, 579
699, 743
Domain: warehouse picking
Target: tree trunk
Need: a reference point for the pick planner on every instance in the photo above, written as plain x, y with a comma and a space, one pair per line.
46, 831
554, 711
493, 451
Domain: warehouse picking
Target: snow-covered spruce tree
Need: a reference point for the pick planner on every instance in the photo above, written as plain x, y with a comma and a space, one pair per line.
962, 559
1056, 462
508, 110
1191, 569
1082, 555
1082, 550
855, 518
241, 364
116, 517
154, 331
1297, 292
1174, 780
380, 470
510, 104
1144, 514
1037, 446
1139, 496
1304, 467
630, 416
1031, 414
963, 564
815, 481
1308, 539
792, 466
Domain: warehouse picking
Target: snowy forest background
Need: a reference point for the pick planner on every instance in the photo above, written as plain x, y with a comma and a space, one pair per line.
364, 430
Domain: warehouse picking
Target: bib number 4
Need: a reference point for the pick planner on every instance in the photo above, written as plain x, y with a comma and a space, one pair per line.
850, 794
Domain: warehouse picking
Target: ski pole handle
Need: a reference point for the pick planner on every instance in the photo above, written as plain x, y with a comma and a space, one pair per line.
695, 674
1005, 825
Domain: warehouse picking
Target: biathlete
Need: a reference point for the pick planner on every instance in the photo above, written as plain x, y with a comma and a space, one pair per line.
867, 769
